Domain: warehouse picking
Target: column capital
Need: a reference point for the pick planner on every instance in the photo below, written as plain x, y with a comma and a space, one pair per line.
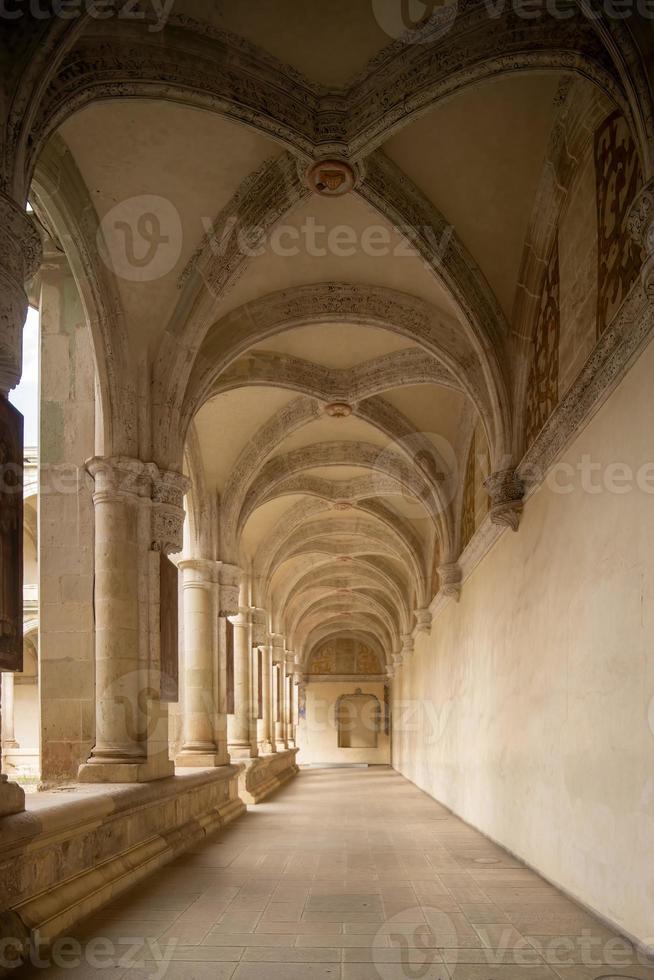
241, 619
506, 491
278, 644
451, 575
118, 475
641, 229
407, 646
20, 251
168, 489
259, 620
229, 578
423, 620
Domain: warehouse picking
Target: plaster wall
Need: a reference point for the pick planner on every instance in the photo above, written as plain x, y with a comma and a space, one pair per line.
318, 732
533, 698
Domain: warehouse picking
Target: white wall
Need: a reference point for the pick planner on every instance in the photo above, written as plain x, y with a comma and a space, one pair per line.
318, 733
541, 681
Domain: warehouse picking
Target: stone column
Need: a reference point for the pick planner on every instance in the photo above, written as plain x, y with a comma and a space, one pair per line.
239, 725
119, 753
266, 735
279, 660
229, 577
289, 680
8, 713
135, 519
65, 506
20, 256
201, 691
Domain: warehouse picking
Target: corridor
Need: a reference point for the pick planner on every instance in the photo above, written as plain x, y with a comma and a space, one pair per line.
351, 874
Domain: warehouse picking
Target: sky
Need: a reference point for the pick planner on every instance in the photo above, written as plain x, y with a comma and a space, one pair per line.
26, 396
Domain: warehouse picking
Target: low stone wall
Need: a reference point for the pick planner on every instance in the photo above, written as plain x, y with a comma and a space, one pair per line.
71, 853
265, 774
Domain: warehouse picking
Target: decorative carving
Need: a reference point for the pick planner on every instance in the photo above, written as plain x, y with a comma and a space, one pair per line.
168, 489
468, 520
423, 620
331, 178
338, 410
20, 248
506, 491
618, 179
230, 583
641, 229
395, 370
451, 579
629, 332
259, 620
543, 384
407, 645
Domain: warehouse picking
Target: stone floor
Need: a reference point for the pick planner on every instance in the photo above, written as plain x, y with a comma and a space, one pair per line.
348, 875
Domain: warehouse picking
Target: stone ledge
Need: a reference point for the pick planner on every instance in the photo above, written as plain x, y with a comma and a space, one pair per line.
68, 855
265, 774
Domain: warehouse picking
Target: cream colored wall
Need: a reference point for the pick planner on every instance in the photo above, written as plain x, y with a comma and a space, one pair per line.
538, 688
318, 734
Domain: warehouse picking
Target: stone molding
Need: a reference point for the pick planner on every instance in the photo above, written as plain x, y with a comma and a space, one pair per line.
641, 229
229, 577
259, 621
119, 477
21, 249
451, 578
69, 858
506, 491
423, 620
621, 342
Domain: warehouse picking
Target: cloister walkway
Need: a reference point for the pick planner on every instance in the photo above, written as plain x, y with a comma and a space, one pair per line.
349, 874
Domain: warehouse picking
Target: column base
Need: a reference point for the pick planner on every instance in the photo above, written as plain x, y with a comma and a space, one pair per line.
188, 759
125, 772
12, 797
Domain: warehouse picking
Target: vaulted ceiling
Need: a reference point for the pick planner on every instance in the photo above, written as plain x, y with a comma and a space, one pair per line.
327, 357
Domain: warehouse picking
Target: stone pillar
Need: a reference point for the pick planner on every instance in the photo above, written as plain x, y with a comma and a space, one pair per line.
201, 691
239, 725
279, 660
229, 577
20, 256
266, 733
65, 505
138, 513
8, 713
289, 682
120, 752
